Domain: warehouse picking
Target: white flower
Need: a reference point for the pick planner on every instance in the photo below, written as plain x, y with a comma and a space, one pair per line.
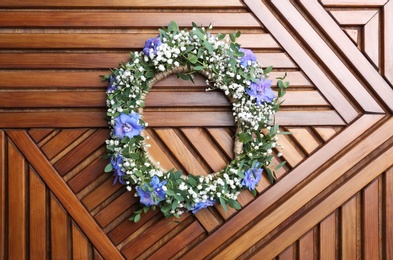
161, 67
176, 64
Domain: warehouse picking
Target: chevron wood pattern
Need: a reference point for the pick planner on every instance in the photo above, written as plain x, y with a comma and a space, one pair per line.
333, 199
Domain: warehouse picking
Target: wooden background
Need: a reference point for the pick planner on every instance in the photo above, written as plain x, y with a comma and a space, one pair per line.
333, 200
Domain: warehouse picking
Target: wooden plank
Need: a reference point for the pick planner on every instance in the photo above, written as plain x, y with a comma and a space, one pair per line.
119, 4
106, 41
388, 214
81, 248
224, 140
150, 236
288, 253
186, 99
242, 218
38, 209
353, 17
17, 204
61, 141
306, 246
179, 242
91, 79
100, 194
59, 99
197, 137
39, 134
370, 225
49, 79
88, 175
82, 151
371, 39
59, 233
64, 194
327, 237
349, 224
113, 210
3, 195
313, 188
304, 138
332, 202
388, 41
89, 19
181, 152
301, 57
328, 57
351, 52
362, 3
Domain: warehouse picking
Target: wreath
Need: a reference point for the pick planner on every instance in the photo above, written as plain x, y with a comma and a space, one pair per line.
227, 67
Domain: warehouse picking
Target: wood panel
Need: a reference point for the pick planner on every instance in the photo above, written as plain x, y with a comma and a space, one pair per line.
333, 199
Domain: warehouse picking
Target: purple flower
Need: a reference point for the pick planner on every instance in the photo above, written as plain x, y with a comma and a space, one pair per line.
202, 205
112, 86
148, 197
151, 45
116, 162
127, 125
248, 56
261, 90
252, 177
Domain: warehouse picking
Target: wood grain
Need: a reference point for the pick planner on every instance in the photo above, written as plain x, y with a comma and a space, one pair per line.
3, 198
349, 227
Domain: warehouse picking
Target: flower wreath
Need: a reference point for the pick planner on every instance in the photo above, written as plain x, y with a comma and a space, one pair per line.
229, 68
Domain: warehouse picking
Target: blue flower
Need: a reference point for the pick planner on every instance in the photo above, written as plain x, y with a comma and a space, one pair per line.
154, 194
248, 56
127, 125
116, 162
112, 86
202, 205
261, 90
151, 45
252, 177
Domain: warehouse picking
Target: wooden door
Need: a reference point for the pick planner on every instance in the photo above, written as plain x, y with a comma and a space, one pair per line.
333, 199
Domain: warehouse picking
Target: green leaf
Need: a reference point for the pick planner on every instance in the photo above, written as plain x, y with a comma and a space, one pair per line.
173, 27
199, 33
280, 165
191, 180
234, 204
178, 197
254, 193
134, 156
268, 69
221, 36
238, 34
244, 138
208, 46
192, 58
177, 174
170, 192
163, 34
233, 37
137, 218
270, 175
223, 204
188, 49
198, 68
184, 76
108, 167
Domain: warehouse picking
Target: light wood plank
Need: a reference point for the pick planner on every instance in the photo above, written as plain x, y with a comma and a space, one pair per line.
353, 17
371, 39
349, 224
3, 195
106, 41
327, 237
336, 3
304, 138
64, 194
325, 132
90, 19
38, 209
301, 172
287, 254
370, 216
81, 248
120, 3
365, 68
388, 41
100, 194
181, 152
306, 246
291, 205
205, 148
328, 57
332, 202
59, 232
224, 140
17, 204
389, 214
